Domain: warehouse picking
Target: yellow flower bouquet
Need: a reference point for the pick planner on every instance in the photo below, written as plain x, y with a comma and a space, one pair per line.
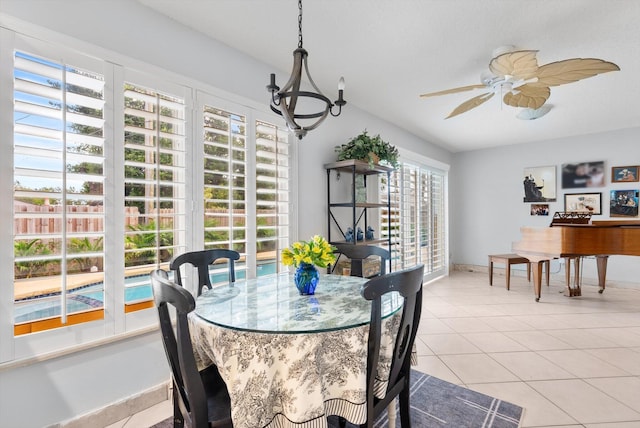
316, 251
305, 256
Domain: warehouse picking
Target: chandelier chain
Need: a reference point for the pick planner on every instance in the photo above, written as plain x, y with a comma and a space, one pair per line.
299, 23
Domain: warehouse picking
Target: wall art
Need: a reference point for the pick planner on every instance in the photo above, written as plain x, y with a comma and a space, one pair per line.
624, 174
624, 203
585, 174
539, 209
540, 184
583, 203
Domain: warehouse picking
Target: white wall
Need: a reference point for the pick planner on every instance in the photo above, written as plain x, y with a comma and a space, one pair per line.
66, 386
486, 194
58, 389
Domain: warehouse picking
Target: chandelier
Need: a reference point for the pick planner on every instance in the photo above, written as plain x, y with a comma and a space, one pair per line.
312, 107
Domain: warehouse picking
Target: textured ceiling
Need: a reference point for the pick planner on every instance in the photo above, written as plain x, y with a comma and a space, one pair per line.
391, 51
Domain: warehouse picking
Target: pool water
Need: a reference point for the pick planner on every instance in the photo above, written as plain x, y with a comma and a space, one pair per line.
137, 289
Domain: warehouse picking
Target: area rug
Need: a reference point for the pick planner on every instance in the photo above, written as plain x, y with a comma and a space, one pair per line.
436, 403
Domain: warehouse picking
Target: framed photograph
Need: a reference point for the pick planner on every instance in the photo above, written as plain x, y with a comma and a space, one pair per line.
624, 174
583, 203
540, 184
585, 174
539, 209
624, 203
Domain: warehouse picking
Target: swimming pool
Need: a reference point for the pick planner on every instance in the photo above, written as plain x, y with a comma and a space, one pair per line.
137, 289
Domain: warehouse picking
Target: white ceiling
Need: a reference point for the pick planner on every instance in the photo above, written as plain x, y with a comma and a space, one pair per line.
391, 51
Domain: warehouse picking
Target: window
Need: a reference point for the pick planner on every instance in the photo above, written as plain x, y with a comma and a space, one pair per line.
273, 195
58, 193
112, 176
225, 204
246, 203
154, 185
417, 217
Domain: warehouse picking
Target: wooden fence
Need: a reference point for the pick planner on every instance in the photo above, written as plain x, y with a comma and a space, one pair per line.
47, 219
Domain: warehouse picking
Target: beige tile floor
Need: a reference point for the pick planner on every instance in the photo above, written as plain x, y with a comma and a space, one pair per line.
569, 362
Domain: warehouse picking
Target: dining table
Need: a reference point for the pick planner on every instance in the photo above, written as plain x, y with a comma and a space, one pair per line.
291, 360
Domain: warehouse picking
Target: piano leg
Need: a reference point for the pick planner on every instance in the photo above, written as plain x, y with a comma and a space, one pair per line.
567, 274
574, 291
601, 262
547, 269
537, 278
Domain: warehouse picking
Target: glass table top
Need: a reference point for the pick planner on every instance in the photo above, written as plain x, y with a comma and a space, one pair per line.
272, 304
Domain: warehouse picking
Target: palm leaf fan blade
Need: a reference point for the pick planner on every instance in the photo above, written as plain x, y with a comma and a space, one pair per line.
453, 90
521, 64
572, 70
528, 96
469, 104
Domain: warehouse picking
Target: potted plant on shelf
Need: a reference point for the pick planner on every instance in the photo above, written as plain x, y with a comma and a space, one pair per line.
373, 150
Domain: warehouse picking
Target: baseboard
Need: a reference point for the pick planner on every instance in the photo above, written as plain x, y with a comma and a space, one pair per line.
119, 410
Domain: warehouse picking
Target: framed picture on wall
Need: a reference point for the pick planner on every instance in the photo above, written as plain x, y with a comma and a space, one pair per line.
583, 203
539, 209
585, 174
624, 203
624, 174
540, 184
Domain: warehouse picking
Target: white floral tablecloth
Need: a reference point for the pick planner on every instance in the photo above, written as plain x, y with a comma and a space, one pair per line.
296, 375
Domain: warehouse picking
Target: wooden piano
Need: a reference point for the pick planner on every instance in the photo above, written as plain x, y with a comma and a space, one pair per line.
600, 238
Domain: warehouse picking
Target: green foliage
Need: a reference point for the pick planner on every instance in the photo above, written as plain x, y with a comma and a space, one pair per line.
364, 147
28, 269
85, 245
141, 245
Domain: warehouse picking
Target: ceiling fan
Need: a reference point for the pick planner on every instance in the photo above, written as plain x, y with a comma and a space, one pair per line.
516, 76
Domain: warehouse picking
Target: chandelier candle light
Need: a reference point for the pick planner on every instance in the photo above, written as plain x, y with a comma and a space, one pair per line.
284, 101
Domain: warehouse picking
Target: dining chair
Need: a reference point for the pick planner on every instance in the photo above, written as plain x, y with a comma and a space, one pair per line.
357, 254
202, 260
408, 283
200, 398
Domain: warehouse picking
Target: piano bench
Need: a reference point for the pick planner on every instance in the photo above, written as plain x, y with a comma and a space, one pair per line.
512, 259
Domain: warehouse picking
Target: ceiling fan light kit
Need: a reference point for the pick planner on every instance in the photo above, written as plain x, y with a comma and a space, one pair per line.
516, 76
533, 114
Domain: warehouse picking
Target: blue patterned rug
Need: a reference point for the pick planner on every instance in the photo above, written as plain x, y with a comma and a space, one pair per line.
436, 403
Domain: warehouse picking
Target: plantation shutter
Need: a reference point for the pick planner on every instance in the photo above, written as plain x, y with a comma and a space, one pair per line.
225, 202
437, 235
273, 195
154, 181
417, 217
58, 186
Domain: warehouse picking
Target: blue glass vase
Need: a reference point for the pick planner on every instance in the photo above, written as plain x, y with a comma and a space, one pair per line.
306, 278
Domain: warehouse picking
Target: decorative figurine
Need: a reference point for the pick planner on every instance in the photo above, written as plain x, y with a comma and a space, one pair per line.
369, 234
349, 235
360, 234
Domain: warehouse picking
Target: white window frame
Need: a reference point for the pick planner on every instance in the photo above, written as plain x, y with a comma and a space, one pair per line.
25, 346
143, 318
